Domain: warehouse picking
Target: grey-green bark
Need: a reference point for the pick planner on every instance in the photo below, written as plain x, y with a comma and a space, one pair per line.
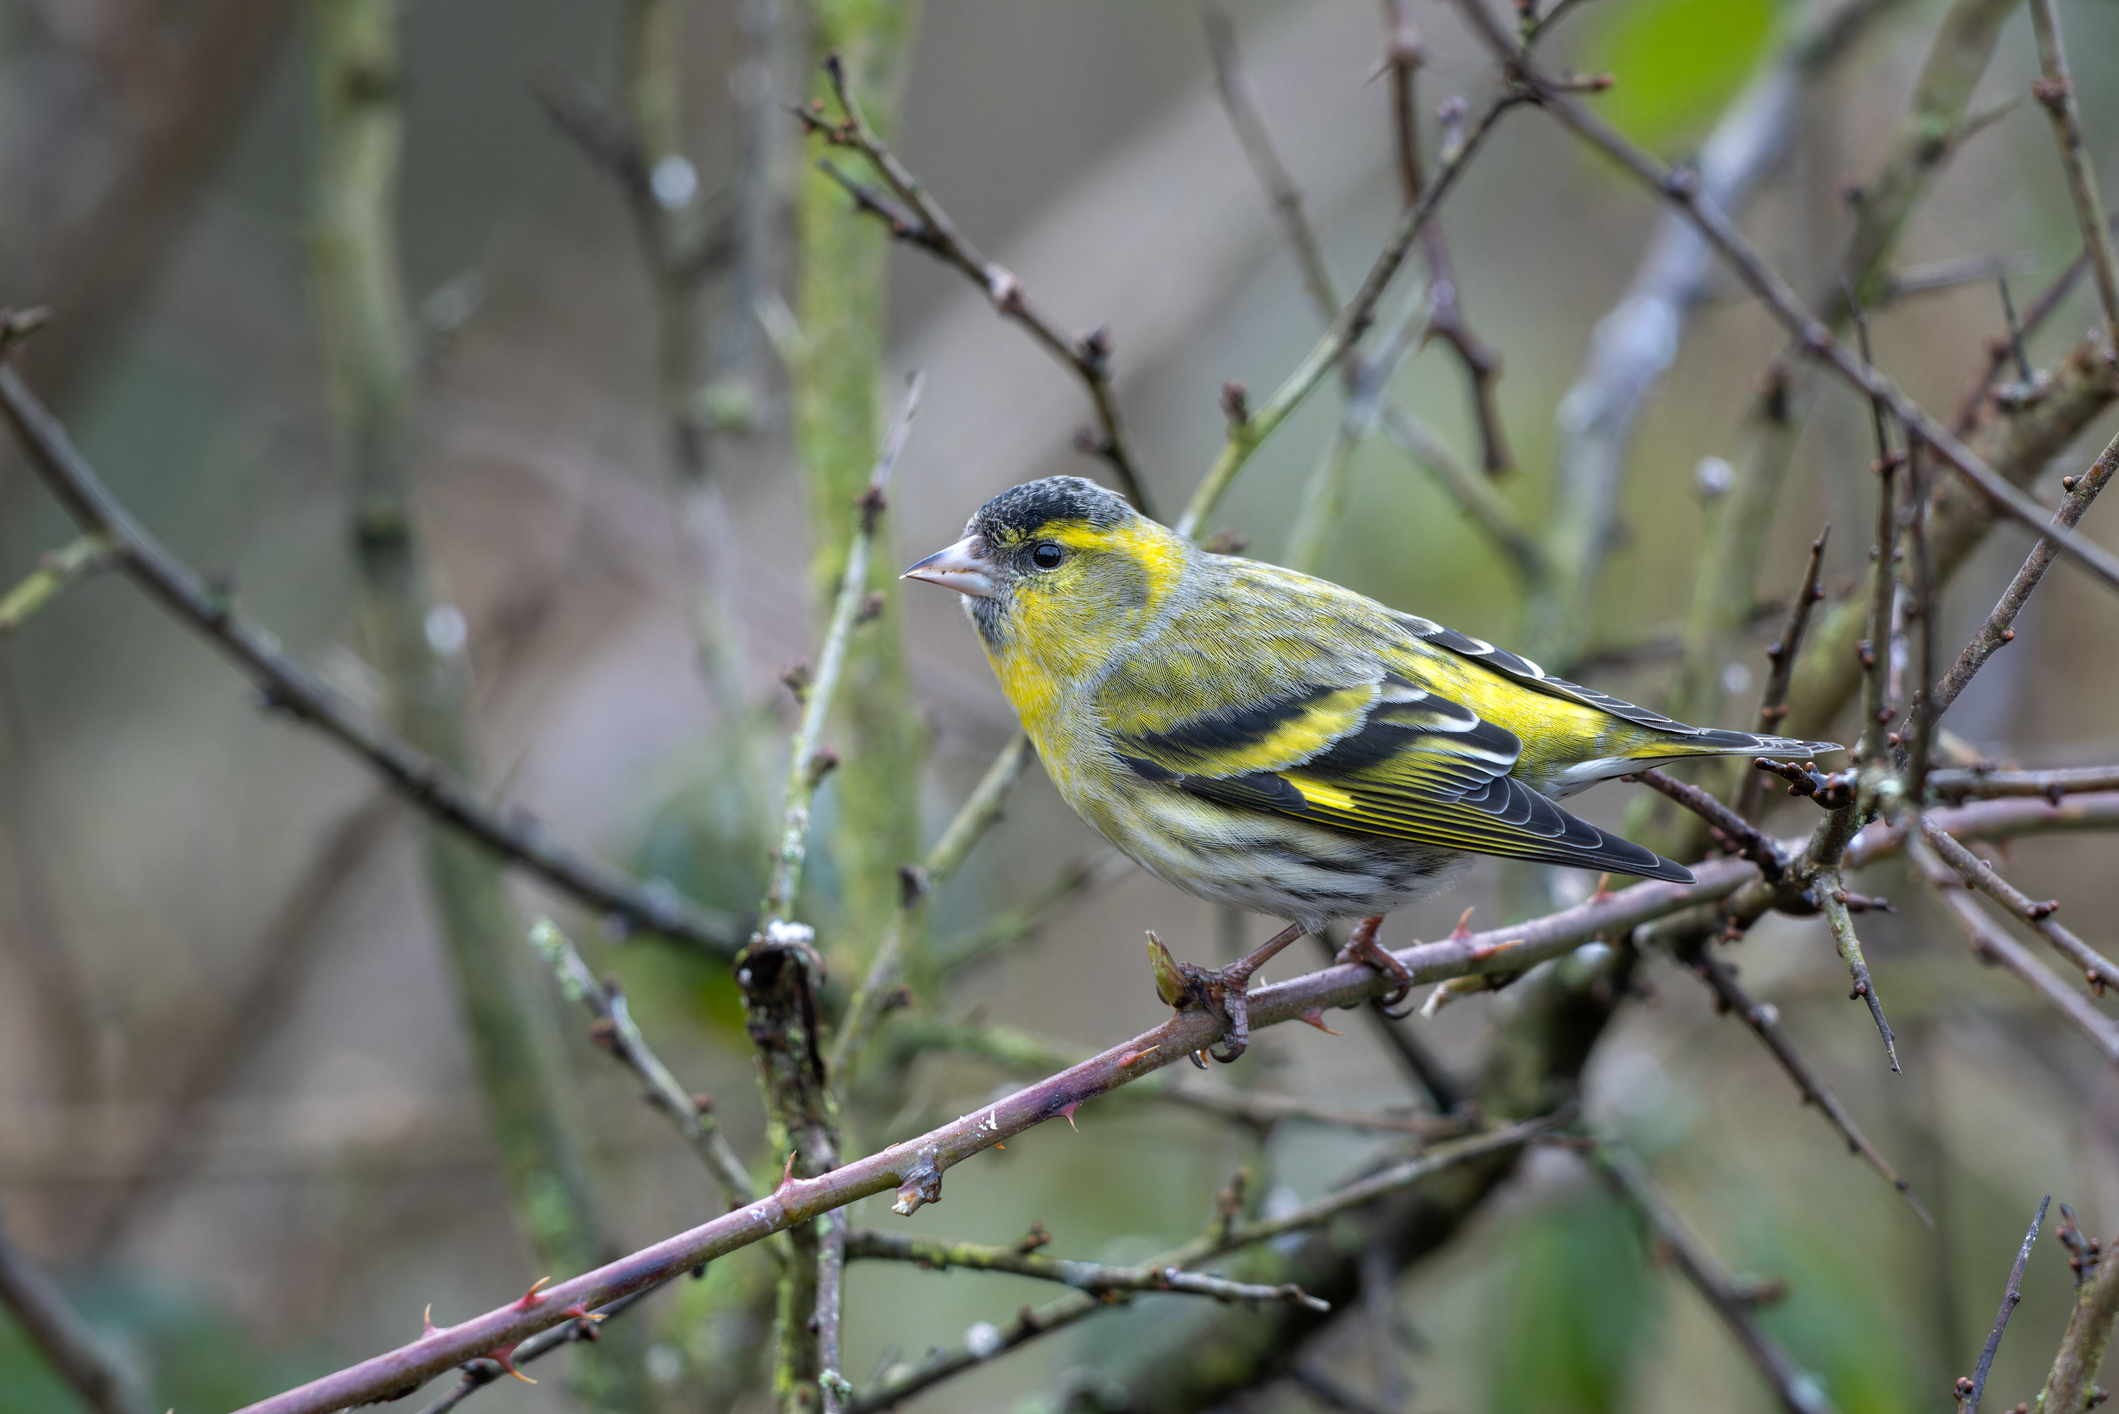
368, 349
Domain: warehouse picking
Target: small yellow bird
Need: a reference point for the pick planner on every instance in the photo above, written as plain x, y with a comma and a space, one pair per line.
1270, 741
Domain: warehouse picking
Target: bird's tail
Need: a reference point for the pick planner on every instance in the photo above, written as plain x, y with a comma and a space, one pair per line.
1677, 745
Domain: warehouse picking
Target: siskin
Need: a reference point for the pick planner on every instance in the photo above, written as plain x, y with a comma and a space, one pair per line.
1275, 743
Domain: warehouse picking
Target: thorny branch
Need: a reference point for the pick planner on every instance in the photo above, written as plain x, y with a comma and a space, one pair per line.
477, 1374
288, 685
914, 217
915, 1167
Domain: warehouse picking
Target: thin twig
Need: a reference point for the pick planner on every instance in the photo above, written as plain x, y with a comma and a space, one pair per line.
942, 1254
1474, 492
1832, 899
1999, 628
1736, 834
617, 1032
1798, 1391
55, 573
1780, 660
1992, 944
1975, 784
972, 819
1764, 1019
1088, 357
1034, 1322
2097, 970
1247, 434
1011, 927
56, 1329
808, 765
1682, 189
290, 686
2009, 1298
1883, 575
1239, 98
2056, 91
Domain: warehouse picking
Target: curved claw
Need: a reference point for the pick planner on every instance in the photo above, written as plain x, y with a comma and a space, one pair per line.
1388, 1005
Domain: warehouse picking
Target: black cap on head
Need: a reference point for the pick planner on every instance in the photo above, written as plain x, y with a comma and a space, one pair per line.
1021, 511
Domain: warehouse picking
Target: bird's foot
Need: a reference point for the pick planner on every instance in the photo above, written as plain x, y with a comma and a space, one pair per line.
1221, 992
1363, 947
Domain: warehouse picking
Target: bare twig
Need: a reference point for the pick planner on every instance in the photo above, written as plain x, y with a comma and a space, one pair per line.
1780, 659
63, 1338
1683, 189
2097, 970
1832, 899
1736, 834
972, 819
1249, 432
2009, 1298
1992, 944
923, 223
1797, 1390
1239, 97
55, 573
1883, 575
1998, 629
2069, 1388
1764, 1019
289, 686
1975, 784
617, 1032
1032, 1323
808, 765
941, 1254
1475, 493
2056, 91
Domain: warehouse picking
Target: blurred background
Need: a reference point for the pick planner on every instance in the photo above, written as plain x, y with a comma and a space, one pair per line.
246, 1183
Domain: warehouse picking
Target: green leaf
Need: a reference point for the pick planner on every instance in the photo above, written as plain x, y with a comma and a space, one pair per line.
1676, 62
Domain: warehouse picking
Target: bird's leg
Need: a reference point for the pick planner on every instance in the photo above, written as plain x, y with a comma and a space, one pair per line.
1220, 991
1363, 947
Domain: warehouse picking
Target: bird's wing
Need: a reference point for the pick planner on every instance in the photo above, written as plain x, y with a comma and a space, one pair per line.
1680, 738
1384, 758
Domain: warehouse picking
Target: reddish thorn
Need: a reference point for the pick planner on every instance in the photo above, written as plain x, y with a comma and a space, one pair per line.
427, 1321
503, 1356
1131, 1056
530, 1298
787, 1172
1315, 1017
1603, 888
1068, 1110
580, 1311
1494, 949
1462, 931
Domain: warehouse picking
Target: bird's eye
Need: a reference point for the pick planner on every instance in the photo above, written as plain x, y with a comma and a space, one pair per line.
1047, 555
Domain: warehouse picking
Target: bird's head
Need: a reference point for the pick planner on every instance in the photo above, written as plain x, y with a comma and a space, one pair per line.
1060, 570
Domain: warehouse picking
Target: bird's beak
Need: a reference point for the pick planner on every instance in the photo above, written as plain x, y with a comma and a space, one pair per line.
962, 567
